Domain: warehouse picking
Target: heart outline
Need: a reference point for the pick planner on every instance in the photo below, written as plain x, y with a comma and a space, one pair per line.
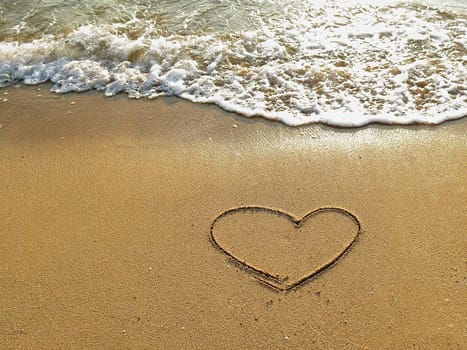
266, 277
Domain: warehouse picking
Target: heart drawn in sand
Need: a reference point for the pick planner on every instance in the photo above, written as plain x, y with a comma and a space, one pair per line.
281, 250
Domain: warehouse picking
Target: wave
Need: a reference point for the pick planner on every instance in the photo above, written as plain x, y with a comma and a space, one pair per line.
345, 66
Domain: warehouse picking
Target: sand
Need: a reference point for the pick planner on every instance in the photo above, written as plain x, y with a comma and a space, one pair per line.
107, 207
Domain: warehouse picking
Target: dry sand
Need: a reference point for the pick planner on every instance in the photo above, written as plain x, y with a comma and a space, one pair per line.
106, 211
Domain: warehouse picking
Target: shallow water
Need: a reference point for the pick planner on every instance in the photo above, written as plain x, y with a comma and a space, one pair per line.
294, 61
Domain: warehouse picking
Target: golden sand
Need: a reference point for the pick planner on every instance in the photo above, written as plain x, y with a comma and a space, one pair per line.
107, 207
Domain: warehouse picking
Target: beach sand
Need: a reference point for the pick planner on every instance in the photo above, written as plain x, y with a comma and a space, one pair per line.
107, 206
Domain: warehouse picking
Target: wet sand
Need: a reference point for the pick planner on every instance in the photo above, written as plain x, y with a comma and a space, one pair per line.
107, 207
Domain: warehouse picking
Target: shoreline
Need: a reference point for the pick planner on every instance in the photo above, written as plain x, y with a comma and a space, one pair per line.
107, 212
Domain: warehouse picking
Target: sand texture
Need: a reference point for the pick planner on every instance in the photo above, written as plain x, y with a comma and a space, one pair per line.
167, 225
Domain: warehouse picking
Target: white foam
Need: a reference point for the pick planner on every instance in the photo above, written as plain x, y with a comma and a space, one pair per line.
82, 75
340, 66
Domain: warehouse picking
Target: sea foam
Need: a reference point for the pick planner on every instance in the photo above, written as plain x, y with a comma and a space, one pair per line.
344, 66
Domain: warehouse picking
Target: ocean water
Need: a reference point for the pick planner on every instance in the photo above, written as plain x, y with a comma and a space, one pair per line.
345, 63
